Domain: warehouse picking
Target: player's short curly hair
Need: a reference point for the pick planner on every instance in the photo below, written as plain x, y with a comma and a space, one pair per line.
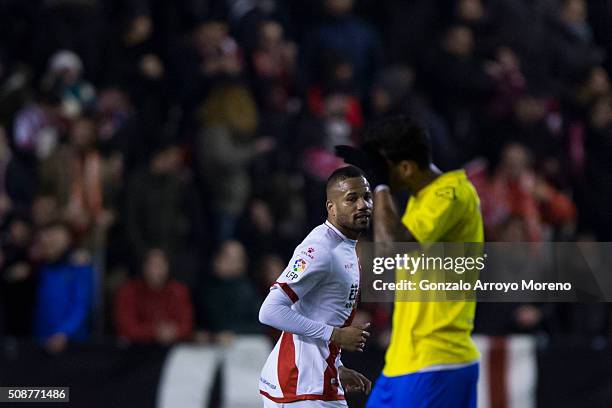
344, 173
401, 138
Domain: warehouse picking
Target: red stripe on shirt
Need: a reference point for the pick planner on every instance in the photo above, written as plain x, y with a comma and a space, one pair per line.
330, 375
287, 369
288, 291
349, 320
331, 382
302, 397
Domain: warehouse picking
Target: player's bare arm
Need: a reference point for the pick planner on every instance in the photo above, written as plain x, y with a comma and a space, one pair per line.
387, 224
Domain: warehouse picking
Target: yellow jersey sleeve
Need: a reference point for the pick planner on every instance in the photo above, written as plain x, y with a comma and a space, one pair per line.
433, 214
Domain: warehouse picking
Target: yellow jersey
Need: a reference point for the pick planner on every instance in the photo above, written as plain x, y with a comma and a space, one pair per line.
434, 333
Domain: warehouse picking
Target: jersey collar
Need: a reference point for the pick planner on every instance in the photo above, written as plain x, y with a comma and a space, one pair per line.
341, 235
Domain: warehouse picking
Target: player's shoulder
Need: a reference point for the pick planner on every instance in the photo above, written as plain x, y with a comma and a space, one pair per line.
318, 244
453, 186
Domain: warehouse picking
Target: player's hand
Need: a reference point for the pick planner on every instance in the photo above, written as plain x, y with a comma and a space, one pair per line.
351, 338
353, 381
368, 159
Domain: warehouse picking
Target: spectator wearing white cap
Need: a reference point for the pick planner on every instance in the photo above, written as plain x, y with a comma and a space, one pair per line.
64, 76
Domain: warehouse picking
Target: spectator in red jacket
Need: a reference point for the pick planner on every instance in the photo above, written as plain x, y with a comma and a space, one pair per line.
154, 307
517, 203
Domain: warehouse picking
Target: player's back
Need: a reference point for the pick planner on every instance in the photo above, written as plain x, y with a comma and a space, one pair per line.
432, 333
322, 281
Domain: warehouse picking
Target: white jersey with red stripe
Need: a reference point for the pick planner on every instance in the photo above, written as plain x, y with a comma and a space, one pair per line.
322, 280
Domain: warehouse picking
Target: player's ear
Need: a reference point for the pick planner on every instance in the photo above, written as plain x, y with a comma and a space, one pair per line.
408, 168
331, 208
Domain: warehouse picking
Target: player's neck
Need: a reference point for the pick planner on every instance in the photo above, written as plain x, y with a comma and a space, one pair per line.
423, 179
350, 234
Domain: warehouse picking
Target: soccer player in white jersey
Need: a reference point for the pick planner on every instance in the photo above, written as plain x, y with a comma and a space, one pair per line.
313, 302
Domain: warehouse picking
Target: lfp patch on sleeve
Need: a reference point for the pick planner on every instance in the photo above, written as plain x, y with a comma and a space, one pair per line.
299, 265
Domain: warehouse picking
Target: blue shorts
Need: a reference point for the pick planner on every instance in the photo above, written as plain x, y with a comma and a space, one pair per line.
454, 388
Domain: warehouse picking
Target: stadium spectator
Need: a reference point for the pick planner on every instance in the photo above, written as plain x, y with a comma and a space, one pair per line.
269, 268
163, 211
591, 83
17, 277
459, 85
35, 127
122, 130
344, 34
258, 231
273, 63
517, 203
276, 212
506, 318
64, 297
392, 91
505, 67
393, 94
227, 302
571, 45
134, 64
272, 77
127, 52
64, 77
596, 205
226, 146
17, 178
75, 176
536, 122
45, 211
15, 78
317, 134
154, 307
209, 55
219, 52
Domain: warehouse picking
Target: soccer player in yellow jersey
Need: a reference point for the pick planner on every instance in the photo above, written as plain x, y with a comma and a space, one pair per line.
431, 360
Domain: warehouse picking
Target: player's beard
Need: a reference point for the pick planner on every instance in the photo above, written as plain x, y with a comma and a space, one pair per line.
353, 224
362, 227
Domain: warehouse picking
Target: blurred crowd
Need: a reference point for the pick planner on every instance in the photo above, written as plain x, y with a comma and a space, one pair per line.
159, 160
